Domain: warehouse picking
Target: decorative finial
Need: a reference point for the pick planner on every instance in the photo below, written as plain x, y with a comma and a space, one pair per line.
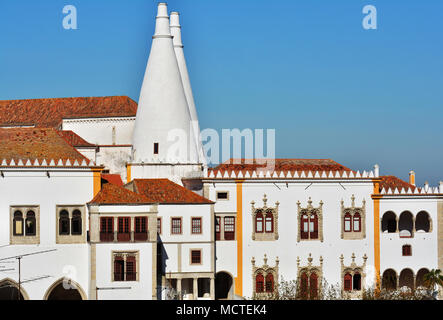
310, 259
277, 261
365, 257
253, 261
321, 260
265, 259
265, 200
353, 201
353, 257
298, 261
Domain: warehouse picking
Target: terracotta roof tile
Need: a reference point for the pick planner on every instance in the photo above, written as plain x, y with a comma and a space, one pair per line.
114, 194
34, 143
113, 178
74, 139
292, 165
45, 113
392, 182
165, 191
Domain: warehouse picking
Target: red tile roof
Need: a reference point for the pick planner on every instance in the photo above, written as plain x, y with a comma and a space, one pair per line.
114, 194
74, 139
44, 113
33, 143
113, 178
392, 182
165, 191
285, 165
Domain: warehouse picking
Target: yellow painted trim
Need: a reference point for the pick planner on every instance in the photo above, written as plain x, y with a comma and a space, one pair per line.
128, 173
96, 181
376, 197
239, 231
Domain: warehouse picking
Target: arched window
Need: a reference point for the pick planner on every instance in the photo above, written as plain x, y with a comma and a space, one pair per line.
389, 222
259, 283
348, 282
269, 283
30, 224
313, 226
356, 283
423, 222
348, 222
389, 280
405, 224
259, 222
304, 286
356, 222
269, 222
76, 223
63, 228
18, 223
304, 225
420, 277
313, 286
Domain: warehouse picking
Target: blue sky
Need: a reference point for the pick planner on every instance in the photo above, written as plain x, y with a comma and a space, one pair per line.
304, 67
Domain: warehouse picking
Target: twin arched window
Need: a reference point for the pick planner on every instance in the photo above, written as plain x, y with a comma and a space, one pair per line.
264, 286
264, 223
308, 286
352, 282
352, 223
24, 226
70, 225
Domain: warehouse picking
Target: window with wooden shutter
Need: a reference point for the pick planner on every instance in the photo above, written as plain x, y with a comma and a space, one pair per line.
106, 229
348, 282
304, 286
195, 256
18, 223
131, 272
259, 283
348, 222
259, 222
304, 225
217, 228
313, 286
357, 222
141, 229
119, 268
269, 282
229, 231
269, 222
407, 250
314, 225
124, 229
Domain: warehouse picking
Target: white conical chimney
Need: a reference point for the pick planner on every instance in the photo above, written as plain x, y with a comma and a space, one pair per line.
178, 48
163, 111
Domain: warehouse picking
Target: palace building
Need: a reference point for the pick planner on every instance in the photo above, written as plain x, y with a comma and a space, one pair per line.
98, 202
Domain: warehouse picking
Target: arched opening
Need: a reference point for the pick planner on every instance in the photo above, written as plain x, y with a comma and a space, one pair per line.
30, 228
223, 286
76, 223
389, 281
269, 222
65, 289
348, 222
9, 291
270, 283
357, 222
356, 284
348, 282
18, 223
420, 278
406, 279
389, 222
304, 286
313, 286
422, 222
406, 224
259, 222
64, 223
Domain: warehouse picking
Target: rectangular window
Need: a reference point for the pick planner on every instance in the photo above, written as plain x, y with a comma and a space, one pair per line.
195, 256
222, 195
119, 268
141, 229
217, 228
156, 148
107, 229
407, 251
196, 225
125, 266
176, 225
229, 228
159, 225
124, 229
131, 274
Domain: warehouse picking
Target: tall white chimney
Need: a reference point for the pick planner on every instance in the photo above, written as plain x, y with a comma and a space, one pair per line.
179, 52
163, 113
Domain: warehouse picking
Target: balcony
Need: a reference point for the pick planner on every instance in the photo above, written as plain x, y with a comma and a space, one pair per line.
124, 236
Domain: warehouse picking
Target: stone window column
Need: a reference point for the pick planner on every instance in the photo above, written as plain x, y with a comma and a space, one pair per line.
195, 288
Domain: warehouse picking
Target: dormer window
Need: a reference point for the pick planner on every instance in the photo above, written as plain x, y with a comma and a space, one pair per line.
156, 148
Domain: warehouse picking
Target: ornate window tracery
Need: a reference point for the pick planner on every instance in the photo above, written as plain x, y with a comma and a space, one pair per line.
353, 225
264, 278
310, 222
265, 221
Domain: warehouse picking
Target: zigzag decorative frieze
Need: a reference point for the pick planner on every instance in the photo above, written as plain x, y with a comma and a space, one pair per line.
85, 163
